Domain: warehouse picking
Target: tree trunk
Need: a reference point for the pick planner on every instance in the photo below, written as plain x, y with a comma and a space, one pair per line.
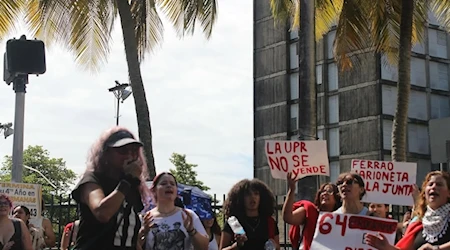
400, 125
134, 72
307, 116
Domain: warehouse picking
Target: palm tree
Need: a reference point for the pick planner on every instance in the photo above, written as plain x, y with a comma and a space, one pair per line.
385, 27
85, 26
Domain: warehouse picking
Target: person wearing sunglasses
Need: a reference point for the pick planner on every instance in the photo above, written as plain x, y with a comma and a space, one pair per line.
14, 233
351, 189
111, 192
304, 213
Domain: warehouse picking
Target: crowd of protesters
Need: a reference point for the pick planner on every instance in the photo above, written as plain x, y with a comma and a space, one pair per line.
115, 214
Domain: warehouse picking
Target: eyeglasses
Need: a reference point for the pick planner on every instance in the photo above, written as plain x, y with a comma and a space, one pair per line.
4, 204
348, 182
126, 149
330, 192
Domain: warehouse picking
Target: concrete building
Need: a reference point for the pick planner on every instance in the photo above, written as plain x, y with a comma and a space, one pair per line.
355, 108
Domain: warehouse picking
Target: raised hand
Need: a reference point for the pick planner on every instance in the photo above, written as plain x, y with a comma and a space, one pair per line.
133, 167
187, 220
291, 181
148, 222
377, 241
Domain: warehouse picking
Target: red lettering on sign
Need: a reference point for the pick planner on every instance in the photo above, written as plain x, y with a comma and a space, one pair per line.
371, 224
305, 161
280, 163
325, 227
374, 187
342, 223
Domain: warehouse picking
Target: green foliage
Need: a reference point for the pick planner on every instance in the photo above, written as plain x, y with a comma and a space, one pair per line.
185, 172
53, 168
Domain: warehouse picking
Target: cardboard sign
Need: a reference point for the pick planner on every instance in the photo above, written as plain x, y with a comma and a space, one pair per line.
25, 194
301, 158
336, 231
387, 182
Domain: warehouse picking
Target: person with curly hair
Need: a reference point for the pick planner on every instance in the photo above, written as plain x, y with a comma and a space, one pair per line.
430, 231
305, 213
112, 192
253, 204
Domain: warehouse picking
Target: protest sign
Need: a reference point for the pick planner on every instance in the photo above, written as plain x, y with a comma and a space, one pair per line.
25, 194
387, 182
346, 231
301, 158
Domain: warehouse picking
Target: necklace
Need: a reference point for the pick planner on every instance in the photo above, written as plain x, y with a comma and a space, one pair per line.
255, 221
168, 213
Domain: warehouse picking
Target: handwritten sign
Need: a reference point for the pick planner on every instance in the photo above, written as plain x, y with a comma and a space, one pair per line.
346, 231
25, 194
387, 182
302, 158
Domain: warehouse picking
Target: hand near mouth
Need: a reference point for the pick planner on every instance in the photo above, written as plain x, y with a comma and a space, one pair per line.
133, 167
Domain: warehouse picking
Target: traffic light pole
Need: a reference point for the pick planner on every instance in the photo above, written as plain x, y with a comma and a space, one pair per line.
19, 86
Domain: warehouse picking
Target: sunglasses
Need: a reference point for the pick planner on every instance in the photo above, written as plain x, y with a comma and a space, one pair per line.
330, 192
126, 149
348, 182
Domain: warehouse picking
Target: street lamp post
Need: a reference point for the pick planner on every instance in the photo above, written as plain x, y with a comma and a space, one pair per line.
7, 129
121, 93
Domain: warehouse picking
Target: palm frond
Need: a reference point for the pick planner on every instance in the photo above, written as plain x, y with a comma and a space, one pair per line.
441, 9
149, 28
9, 13
327, 13
47, 20
352, 33
208, 17
282, 10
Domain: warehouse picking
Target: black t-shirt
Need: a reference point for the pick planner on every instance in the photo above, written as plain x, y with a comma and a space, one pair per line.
122, 229
257, 231
419, 240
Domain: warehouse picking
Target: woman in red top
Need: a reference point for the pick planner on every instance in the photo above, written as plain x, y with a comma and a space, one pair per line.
430, 231
297, 214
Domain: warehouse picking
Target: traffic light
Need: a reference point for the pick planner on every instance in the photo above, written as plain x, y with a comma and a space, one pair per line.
25, 57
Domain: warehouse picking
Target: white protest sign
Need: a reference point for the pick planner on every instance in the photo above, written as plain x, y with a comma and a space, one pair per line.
25, 194
387, 182
302, 158
336, 231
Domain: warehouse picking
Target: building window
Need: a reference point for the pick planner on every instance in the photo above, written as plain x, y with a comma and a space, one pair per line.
333, 142
293, 56
294, 115
418, 141
439, 76
440, 106
417, 107
418, 75
319, 78
293, 33
432, 18
437, 43
330, 41
320, 134
332, 77
387, 134
389, 99
334, 171
388, 72
333, 109
293, 79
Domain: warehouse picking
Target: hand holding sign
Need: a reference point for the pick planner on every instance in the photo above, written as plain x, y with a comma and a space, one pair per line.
291, 181
378, 241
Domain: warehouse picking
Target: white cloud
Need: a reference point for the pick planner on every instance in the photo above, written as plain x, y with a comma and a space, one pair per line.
199, 94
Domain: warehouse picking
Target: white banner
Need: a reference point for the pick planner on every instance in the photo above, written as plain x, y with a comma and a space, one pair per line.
387, 182
346, 231
25, 194
301, 158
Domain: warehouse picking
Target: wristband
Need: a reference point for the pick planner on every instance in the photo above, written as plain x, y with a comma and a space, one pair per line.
192, 232
133, 181
124, 187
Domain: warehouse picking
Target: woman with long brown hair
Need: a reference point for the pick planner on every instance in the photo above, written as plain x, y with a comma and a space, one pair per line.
13, 232
111, 192
351, 189
430, 231
304, 214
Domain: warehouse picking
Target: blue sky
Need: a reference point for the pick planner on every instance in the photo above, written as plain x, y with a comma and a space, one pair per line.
199, 94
